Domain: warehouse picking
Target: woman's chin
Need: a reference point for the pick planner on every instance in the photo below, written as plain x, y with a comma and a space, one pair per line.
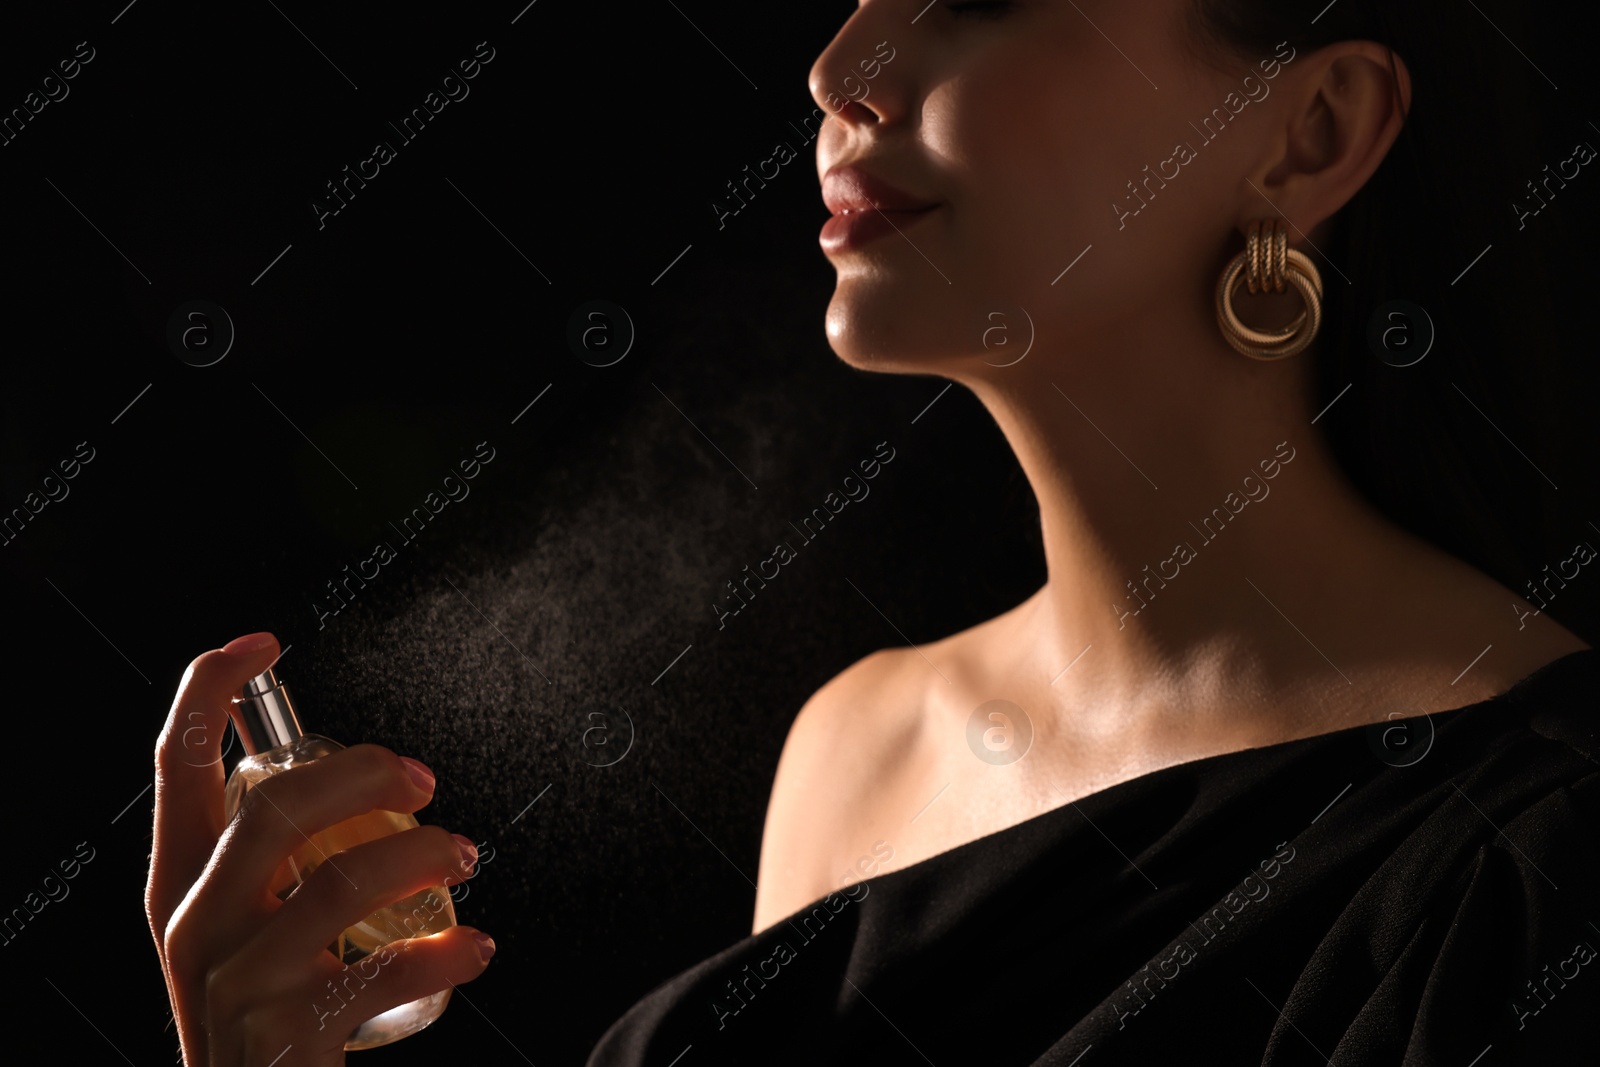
882, 334
894, 337
887, 358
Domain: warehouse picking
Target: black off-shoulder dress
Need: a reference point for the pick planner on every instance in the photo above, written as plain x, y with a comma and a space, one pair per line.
1421, 892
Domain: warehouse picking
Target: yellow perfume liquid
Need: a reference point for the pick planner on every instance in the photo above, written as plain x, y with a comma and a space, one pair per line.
265, 715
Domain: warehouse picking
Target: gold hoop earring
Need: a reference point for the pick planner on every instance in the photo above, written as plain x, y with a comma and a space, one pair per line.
1267, 263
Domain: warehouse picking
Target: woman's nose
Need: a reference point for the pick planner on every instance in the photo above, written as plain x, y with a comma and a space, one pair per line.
854, 79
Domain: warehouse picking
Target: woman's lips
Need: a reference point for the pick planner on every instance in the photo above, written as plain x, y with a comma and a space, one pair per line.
852, 229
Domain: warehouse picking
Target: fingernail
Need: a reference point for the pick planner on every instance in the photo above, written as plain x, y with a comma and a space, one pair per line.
485, 946
240, 646
469, 851
419, 774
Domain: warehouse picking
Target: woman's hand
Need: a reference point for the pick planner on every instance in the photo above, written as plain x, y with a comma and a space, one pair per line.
247, 973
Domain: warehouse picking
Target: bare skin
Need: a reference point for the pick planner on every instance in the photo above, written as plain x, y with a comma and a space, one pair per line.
247, 974
1132, 419
879, 756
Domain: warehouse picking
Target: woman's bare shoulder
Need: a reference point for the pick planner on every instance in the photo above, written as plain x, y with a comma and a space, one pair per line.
853, 743
837, 746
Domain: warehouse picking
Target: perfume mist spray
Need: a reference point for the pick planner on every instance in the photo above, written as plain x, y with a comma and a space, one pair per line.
269, 728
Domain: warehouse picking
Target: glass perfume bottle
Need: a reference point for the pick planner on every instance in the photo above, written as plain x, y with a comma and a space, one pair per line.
269, 729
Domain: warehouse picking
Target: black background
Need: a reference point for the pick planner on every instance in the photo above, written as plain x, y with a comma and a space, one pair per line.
398, 336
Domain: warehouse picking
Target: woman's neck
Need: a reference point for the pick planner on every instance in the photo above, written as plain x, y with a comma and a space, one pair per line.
1202, 544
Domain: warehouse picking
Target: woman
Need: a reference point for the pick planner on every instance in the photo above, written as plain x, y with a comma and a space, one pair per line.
1101, 807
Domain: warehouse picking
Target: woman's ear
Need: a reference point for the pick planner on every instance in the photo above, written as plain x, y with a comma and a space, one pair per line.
1339, 117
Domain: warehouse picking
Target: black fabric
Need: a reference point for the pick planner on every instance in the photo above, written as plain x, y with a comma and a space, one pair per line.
1310, 902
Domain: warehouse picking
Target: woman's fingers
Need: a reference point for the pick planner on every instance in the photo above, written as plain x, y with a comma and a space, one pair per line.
282, 988
355, 883
250, 976
189, 776
286, 810
406, 971
322, 1017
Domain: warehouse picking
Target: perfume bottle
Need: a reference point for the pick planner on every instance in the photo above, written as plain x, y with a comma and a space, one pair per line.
269, 729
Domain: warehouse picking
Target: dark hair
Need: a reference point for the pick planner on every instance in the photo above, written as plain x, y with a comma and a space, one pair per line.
1448, 447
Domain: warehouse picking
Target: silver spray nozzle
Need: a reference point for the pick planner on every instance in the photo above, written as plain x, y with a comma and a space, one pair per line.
265, 716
